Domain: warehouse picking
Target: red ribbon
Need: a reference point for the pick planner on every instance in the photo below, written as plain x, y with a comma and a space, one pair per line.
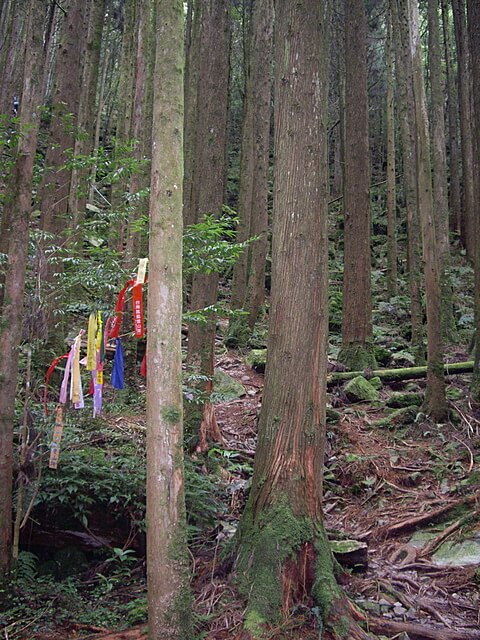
117, 321
50, 370
138, 323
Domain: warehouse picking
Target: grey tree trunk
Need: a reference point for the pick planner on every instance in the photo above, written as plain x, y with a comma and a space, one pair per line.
169, 613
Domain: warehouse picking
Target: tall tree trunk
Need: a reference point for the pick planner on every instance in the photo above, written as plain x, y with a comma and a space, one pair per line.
169, 613
391, 172
357, 349
139, 131
84, 143
124, 117
55, 188
284, 558
463, 64
12, 315
248, 287
435, 401
439, 165
261, 63
403, 69
474, 38
192, 61
452, 106
208, 191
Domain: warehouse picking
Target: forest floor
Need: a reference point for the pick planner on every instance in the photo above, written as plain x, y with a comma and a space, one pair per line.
392, 489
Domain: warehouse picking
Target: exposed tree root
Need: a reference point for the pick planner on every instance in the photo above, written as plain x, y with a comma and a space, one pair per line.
209, 430
138, 633
433, 516
420, 631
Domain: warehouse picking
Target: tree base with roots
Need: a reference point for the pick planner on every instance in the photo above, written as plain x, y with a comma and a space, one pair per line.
284, 561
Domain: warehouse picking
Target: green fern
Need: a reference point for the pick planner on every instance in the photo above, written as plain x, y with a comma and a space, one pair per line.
26, 567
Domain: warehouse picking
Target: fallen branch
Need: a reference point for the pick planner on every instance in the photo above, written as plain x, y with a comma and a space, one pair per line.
391, 375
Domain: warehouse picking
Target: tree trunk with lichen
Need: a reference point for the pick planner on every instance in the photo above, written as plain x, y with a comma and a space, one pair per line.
283, 554
169, 602
357, 348
474, 37
12, 312
435, 400
208, 193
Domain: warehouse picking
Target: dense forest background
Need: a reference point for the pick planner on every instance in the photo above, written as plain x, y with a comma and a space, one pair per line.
304, 180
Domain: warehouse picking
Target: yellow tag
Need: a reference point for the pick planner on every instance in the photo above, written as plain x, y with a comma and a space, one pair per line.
99, 377
142, 270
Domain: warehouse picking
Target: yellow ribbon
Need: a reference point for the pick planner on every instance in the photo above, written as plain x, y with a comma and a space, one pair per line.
91, 352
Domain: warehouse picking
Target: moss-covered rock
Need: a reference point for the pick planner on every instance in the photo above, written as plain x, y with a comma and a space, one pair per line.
257, 359
398, 418
400, 400
225, 388
360, 390
376, 382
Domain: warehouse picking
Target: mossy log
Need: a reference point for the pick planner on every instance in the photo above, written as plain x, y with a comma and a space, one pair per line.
392, 375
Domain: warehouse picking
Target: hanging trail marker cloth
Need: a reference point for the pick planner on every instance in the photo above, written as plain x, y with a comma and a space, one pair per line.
117, 321
76, 393
143, 366
142, 270
50, 370
56, 438
91, 354
118, 381
138, 323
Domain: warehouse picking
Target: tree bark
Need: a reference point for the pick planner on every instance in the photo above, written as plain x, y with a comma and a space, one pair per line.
452, 106
84, 144
474, 37
357, 350
391, 171
12, 315
467, 230
403, 69
439, 166
435, 399
169, 612
248, 286
208, 190
284, 558
139, 132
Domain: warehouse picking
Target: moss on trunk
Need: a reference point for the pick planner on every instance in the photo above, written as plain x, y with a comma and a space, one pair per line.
357, 357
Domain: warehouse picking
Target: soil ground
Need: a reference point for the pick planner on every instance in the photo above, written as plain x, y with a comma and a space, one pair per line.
381, 485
